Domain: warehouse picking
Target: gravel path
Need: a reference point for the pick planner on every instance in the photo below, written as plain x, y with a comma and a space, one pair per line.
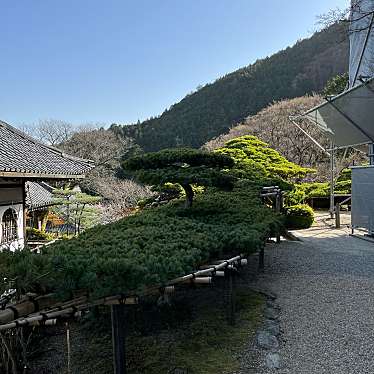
325, 288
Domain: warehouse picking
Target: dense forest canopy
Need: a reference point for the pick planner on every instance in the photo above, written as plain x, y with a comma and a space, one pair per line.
215, 108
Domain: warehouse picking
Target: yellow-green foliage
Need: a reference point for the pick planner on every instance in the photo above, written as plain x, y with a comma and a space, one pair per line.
35, 234
299, 216
303, 191
336, 85
255, 159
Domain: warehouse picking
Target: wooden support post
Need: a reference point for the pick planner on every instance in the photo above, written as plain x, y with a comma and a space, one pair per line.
68, 347
119, 337
278, 208
230, 297
24, 207
261, 260
337, 216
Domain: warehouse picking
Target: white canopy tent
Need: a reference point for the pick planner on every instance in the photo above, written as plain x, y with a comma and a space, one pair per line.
347, 119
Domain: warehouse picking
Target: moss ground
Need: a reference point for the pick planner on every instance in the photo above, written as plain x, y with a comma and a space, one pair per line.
193, 336
204, 345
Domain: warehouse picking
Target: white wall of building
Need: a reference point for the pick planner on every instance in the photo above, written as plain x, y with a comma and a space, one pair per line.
19, 243
11, 197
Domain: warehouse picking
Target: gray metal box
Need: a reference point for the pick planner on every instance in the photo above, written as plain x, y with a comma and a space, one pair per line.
363, 198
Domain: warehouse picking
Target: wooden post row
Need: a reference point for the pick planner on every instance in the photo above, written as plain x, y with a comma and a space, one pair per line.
118, 313
230, 298
337, 216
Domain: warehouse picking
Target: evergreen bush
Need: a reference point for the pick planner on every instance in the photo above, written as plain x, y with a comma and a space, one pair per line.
256, 161
152, 246
183, 166
35, 234
299, 216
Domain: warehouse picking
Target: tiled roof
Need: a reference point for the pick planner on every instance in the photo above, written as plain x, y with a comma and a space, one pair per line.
38, 195
20, 153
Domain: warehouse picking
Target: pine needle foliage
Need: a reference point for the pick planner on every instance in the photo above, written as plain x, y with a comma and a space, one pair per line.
157, 244
304, 191
184, 166
76, 208
254, 159
152, 246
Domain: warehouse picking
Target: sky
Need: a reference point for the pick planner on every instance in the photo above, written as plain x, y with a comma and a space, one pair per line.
120, 61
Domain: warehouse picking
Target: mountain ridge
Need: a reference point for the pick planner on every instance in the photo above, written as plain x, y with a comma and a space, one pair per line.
212, 110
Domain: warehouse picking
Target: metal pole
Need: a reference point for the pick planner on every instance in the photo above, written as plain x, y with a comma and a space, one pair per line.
309, 136
119, 337
371, 154
332, 181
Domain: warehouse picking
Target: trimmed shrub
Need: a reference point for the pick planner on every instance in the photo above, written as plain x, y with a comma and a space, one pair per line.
151, 246
253, 156
299, 216
296, 196
35, 234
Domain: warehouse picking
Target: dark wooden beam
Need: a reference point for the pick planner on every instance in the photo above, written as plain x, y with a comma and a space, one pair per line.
24, 208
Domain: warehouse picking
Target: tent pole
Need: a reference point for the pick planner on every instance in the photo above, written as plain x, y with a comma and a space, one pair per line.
309, 136
332, 181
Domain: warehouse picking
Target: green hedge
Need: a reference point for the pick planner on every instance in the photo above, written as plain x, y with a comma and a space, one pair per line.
299, 216
152, 246
303, 191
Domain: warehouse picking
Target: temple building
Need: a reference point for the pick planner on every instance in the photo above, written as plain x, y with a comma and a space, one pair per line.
24, 160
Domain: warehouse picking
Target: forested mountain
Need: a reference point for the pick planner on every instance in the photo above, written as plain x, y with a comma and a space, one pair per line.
213, 109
